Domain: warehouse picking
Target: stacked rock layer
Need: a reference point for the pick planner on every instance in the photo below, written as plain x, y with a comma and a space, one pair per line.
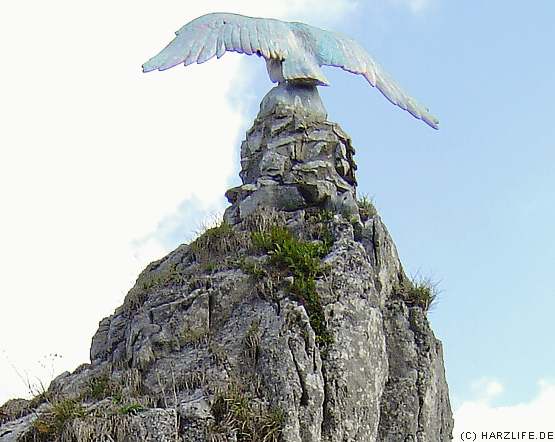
292, 159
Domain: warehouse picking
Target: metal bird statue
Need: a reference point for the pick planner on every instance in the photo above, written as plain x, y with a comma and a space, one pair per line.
294, 53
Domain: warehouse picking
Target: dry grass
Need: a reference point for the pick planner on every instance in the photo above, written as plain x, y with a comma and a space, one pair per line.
235, 412
420, 291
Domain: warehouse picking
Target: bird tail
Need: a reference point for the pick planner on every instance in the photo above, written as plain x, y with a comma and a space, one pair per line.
303, 71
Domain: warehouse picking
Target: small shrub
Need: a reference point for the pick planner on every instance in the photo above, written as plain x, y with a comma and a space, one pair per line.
366, 208
132, 409
265, 240
51, 424
262, 219
302, 260
164, 276
324, 216
421, 292
101, 387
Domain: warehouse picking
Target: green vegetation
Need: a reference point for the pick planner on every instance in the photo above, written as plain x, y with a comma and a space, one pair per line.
212, 238
366, 208
264, 240
193, 336
210, 267
167, 275
132, 408
51, 424
14, 409
271, 425
216, 242
302, 259
37, 400
235, 411
421, 292
319, 226
252, 267
101, 387
211, 249
53, 421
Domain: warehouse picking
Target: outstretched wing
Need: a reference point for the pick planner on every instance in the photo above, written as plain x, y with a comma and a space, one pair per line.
214, 34
337, 50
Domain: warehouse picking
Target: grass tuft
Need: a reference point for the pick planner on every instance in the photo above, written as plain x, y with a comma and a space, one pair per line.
216, 242
421, 292
235, 412
253, 268
302, 259
51, 424
366, 208
131, 409
101, 387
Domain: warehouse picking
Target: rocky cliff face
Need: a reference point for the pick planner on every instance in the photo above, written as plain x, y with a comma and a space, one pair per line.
291, 321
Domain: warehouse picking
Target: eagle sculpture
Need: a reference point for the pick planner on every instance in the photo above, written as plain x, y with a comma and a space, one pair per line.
294, 53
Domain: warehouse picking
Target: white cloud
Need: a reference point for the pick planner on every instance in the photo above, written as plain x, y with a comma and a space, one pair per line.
331, 10
418, 5
415, 6
479, 415
94, 154
486, 389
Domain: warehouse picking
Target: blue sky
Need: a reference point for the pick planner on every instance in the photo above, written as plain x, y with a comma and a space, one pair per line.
119, 168
473, 204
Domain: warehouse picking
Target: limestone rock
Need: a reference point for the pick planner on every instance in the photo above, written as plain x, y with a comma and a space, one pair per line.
221, 341
293, 158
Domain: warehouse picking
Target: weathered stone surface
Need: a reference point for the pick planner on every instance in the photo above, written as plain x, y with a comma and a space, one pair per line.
211, 328
153, 425
293, 159
415, 399
285, 197
14, 430
14, 409
304, 100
